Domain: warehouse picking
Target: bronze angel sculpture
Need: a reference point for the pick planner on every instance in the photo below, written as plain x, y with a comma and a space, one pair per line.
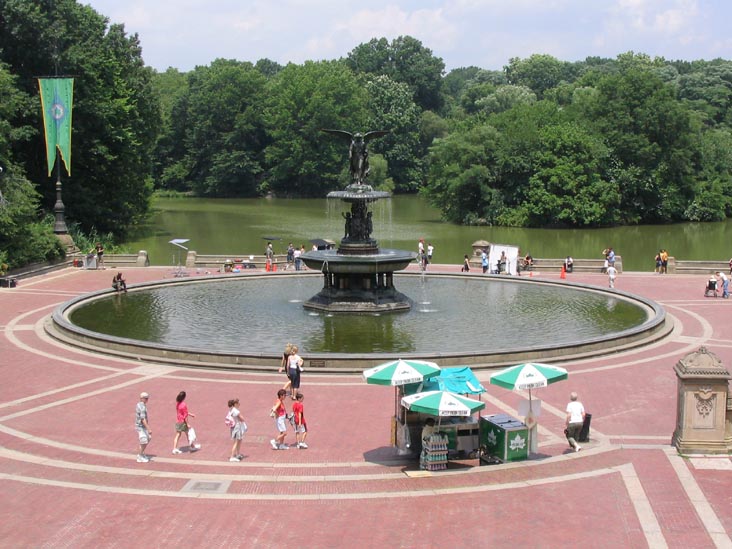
358, 154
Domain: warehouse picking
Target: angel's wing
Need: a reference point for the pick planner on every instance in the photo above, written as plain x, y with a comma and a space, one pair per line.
375, 134
340, 133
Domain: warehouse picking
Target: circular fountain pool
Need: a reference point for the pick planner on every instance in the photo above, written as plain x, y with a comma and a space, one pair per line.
455, 319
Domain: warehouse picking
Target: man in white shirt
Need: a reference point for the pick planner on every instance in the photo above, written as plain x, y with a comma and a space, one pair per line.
725, 284
612, 272
574, 421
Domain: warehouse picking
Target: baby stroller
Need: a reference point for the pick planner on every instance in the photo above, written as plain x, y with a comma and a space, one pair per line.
711, 288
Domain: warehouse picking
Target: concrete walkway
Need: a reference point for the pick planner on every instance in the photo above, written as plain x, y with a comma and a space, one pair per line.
68, 475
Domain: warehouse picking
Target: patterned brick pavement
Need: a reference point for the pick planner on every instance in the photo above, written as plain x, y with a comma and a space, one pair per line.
68, 477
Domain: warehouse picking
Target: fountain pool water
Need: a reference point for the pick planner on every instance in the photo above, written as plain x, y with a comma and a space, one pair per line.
456, 319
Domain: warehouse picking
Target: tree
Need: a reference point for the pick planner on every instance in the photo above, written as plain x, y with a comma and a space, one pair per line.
391, 108
115, 116
568, 187
24, 235
538, 73
219, 131
301, 100
653, 138
404, 60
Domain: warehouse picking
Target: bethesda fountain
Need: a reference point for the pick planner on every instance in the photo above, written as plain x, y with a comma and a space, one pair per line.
358, 277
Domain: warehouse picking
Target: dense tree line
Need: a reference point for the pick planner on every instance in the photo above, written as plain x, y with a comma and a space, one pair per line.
542, 142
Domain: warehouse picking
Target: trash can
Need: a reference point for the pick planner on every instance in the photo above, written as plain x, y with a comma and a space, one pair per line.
90, 261
584, 435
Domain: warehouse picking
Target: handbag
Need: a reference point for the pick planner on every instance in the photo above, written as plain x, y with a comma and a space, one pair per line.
192, 435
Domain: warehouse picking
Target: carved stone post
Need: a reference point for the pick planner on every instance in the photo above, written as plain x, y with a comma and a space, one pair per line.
701, 417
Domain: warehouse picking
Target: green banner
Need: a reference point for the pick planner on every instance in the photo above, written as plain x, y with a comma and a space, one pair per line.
57, 96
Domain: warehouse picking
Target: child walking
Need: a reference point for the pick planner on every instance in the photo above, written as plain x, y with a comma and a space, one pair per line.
238, 428
279, 413
301, 427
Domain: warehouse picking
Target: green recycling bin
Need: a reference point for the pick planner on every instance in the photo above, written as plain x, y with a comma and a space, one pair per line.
504, 437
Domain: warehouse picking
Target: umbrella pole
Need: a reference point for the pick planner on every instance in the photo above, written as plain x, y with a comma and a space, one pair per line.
528, 452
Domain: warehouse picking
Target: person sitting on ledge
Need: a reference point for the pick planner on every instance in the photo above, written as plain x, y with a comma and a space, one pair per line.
119, 284
568, 264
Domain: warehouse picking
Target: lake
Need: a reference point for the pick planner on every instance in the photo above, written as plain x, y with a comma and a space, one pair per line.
238, 227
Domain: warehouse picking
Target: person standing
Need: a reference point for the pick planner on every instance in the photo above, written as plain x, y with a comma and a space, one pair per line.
484, 261
143, 427
290, 256
238, 427
574, 421
100, 255
430, 251
301, 427
664, 261
612, 272
298, 262
658, 261
466, 264
269, 256
284, 366
294, 369
181, 424
420, 246
725, 283
279, 413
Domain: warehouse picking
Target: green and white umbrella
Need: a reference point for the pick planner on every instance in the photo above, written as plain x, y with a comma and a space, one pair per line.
442, 404
528, 376
401, 372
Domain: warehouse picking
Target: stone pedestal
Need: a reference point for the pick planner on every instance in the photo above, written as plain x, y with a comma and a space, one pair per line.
702, 417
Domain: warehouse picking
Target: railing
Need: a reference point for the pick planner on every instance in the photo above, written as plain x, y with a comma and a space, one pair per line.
550, 264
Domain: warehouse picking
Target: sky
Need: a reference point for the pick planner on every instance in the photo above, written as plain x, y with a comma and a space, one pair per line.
483, 33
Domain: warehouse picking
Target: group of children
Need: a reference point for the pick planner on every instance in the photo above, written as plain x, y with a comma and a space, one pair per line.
234, 419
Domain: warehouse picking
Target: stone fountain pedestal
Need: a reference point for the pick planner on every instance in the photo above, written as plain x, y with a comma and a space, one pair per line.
358, 277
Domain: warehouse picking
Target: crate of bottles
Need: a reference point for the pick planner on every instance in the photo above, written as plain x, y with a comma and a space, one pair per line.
434, 453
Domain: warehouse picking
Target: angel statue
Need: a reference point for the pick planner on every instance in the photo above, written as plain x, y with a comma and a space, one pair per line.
358, 155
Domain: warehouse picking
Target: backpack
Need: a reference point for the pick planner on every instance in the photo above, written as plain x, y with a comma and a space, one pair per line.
229, 421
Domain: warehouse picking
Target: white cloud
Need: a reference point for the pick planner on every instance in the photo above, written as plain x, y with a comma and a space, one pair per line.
486, 33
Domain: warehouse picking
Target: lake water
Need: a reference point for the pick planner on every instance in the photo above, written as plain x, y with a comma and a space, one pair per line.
237, 227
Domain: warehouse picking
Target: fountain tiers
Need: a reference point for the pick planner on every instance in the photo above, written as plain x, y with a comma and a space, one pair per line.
358, 277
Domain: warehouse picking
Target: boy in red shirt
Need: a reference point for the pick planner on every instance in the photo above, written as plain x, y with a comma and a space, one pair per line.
301, 428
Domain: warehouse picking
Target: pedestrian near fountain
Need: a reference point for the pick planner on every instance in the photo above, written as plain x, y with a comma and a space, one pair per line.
238, 427
279, 413
298, 262
612, 273
664, 261
484, 261
301, 426
725, 283
574, 421
466, 264
294, 368
430, 251
142, 427
283, 366
269, 255
181, 424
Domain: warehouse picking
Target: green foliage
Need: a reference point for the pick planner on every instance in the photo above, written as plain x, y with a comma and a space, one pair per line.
301, 100
115, 114
405, 60
217, 133
391, 108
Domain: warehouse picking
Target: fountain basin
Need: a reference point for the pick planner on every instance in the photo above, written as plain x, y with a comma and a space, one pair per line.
243, 321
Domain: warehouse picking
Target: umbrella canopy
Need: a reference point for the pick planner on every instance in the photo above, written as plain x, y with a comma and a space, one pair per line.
401, 372
442, 403
322, 242
528, 376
